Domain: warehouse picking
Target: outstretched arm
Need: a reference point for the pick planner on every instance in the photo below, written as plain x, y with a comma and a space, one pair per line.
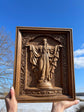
61, 106
11, 103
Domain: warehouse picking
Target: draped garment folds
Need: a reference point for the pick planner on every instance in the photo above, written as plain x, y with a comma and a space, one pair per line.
40, 56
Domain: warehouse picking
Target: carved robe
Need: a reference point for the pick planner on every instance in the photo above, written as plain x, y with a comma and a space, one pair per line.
41, 60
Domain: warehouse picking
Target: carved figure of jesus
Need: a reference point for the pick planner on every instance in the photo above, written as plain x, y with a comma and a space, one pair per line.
44, 58
44, 62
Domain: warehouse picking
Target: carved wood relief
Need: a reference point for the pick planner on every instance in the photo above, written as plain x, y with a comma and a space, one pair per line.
44, 69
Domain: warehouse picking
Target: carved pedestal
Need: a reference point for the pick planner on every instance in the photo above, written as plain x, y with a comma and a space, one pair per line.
45, 92
44, 69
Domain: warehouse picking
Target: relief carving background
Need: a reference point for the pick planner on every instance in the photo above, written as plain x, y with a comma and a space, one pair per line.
57, 80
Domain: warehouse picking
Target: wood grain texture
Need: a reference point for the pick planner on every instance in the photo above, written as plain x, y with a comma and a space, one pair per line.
43, 67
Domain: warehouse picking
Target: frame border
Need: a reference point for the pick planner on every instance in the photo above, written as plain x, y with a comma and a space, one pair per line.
17, 65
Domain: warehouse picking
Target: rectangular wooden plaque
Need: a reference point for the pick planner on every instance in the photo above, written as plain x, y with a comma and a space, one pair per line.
43, 67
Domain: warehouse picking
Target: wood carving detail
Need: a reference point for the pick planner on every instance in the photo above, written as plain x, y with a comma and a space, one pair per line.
43, 70
43, 61
42, 93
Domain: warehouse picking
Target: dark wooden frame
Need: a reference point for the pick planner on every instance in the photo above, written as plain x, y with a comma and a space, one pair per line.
17, 64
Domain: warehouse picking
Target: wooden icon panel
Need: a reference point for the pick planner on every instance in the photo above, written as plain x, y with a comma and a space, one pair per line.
43, 67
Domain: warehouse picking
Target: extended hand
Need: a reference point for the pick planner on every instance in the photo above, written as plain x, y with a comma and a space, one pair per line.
11, 103
61, 106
